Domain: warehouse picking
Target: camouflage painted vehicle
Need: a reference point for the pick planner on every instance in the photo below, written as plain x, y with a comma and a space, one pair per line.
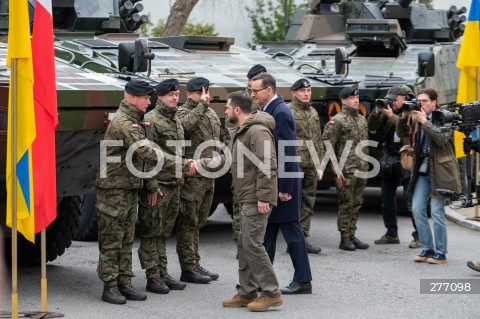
84, 100
374, 45
97, 51
378, 44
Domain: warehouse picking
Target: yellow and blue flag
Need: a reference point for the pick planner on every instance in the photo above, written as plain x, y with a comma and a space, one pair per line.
19, 48
468, 62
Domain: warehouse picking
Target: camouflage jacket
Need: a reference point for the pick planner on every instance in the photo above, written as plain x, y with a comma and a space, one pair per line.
127, 128
348, 125
200, 124
308, 129
164, 126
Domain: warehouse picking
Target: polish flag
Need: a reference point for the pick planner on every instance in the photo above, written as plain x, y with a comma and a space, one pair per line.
46, 116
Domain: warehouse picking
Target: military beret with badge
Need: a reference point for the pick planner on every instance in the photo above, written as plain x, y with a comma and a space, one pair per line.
256, 70
138, 87
348, 91
302, 83
166, 86
196, 84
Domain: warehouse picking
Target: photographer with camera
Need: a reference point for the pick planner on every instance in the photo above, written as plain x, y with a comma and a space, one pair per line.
382, 123
434, 166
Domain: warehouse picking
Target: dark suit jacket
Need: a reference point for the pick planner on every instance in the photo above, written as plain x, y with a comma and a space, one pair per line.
285, 130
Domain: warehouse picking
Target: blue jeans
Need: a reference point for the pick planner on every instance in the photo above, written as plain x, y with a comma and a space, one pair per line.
419, 209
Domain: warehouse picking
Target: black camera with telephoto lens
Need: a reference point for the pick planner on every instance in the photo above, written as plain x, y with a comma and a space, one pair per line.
383, 103
413, 105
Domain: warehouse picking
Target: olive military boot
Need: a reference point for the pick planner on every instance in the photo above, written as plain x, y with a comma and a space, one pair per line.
157, 286
194, 276
131, 293
205, 272
173, 283
346, 244
112, 295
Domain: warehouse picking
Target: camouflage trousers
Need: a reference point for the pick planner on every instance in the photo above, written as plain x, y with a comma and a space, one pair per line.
156, 224
116, 214
309, 190
350, 200
195, 203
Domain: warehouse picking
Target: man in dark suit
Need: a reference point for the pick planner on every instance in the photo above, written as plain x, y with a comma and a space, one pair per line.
285, 216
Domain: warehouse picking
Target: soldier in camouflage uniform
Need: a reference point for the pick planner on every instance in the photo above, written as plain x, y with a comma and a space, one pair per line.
117, 194
308, 131
156, 222
200, 124
348, 125
254, 70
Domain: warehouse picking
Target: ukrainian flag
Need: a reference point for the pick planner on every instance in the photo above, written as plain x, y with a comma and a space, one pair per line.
19, 48
468, 62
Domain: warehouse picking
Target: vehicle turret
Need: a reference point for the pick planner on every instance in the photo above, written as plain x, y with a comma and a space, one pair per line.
377, 44
88, 15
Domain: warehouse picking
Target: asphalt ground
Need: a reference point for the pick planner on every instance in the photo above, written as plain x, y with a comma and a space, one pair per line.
381, 282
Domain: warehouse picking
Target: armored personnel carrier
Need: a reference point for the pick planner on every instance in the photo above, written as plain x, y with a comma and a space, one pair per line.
376, 44
97, 52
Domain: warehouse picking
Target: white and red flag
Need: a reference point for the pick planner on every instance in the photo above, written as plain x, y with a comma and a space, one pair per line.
46, 116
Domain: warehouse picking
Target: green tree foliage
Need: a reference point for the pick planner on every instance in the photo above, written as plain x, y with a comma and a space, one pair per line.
268, 19
191, 28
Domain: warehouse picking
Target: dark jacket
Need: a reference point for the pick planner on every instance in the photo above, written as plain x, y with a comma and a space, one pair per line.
285, 130
385, 128
444, 170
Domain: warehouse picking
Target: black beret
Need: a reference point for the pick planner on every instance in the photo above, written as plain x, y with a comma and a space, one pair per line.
348, 91
196, 84
138, 87
166, 86
302, 83
256, 70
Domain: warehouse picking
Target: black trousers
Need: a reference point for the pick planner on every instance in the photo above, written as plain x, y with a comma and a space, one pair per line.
389, 199
293, 235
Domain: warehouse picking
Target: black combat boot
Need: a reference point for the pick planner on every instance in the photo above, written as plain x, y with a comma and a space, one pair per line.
157, 286
131, 293
205, 272
312, 249
194, 276
346, 244
173, 283
359, 244
112, 295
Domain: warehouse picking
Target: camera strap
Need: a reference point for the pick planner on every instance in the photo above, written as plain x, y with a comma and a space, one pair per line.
410, 131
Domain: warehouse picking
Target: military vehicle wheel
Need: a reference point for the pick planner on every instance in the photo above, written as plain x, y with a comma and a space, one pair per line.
60, 234
88, 228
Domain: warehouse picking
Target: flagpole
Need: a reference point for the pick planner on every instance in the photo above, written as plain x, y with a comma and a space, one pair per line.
477, 166
44, 270
13, 180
